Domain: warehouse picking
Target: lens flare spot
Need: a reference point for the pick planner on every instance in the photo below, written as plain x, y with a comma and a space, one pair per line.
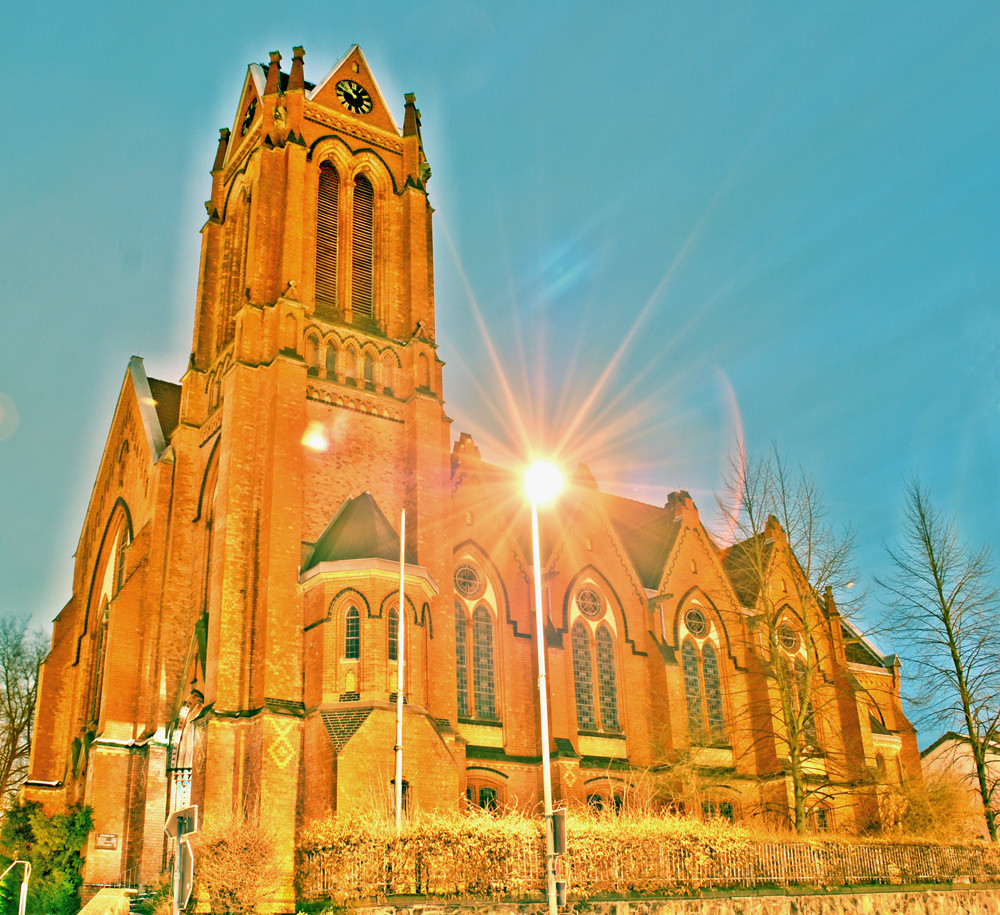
542, 481
315, 437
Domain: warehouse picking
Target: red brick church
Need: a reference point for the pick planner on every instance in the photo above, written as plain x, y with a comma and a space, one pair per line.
233, 633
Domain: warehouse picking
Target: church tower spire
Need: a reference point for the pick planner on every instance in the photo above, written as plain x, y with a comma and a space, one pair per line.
313, 381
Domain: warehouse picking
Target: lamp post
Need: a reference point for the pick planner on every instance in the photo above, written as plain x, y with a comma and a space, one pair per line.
542, 482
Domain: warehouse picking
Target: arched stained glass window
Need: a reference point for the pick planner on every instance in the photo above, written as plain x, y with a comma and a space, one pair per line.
461, 661
352, 634
713, 692
583, 678
483, 683
804, 695
100, 656
326, 235
692, 690
123, 542
362, 248
607, 688
393, 634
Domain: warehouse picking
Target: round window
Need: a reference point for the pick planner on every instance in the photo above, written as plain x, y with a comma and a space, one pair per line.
467, 581
788, 638
590, 603
695, 621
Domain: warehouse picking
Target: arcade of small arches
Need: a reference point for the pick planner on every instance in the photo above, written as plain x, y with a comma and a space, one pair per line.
348, 363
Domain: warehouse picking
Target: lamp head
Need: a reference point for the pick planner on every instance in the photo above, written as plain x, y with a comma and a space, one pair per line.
542, 482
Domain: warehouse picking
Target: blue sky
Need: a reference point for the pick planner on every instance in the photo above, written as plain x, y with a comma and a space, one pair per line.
673, 220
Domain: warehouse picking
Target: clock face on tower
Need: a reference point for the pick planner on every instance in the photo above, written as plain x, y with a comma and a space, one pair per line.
354, 97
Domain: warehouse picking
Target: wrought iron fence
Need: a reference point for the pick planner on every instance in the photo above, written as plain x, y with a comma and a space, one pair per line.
371, 868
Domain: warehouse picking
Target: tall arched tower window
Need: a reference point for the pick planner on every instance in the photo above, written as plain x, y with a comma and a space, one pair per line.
362, 249
326, 234
483, 682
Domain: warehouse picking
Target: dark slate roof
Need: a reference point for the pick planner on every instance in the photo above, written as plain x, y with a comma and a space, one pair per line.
738, 568
359, 530
167, 397
877, 726
647, 532
859, 651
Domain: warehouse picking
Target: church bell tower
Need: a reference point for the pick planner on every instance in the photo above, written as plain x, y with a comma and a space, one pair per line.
311, 417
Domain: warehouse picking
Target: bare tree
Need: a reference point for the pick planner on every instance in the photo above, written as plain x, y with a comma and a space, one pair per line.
21, 652
784, 561
945, 600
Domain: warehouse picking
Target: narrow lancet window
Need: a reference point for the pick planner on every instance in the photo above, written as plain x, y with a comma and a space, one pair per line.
461, 661
483, 683
606, 684
583, 679
326, 235
362, 249
352, 634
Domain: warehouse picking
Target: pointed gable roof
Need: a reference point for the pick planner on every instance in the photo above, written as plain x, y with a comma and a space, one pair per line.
167, 402
738, 565
647, 532
359, 530
354, 66
156, 424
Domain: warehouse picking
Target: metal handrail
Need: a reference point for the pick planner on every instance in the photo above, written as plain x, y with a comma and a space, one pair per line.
24, 883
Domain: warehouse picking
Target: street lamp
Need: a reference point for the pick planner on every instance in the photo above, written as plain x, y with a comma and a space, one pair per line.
542, 482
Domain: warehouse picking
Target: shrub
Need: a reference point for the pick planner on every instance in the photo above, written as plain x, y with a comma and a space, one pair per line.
236, 862
52, 846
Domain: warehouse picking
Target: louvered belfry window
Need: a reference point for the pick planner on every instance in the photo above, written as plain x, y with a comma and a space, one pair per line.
326, 235
362, 245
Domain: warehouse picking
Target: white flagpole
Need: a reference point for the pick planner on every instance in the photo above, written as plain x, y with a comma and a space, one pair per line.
400, 665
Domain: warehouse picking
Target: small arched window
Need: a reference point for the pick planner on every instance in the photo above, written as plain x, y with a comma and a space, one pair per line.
326, 234
352, 634
362, 249
122, 463
387, 368
369, 369
312, 354
350, 365
290, 332
331, 361
483, 682
461, 661
583, 678
393, 634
